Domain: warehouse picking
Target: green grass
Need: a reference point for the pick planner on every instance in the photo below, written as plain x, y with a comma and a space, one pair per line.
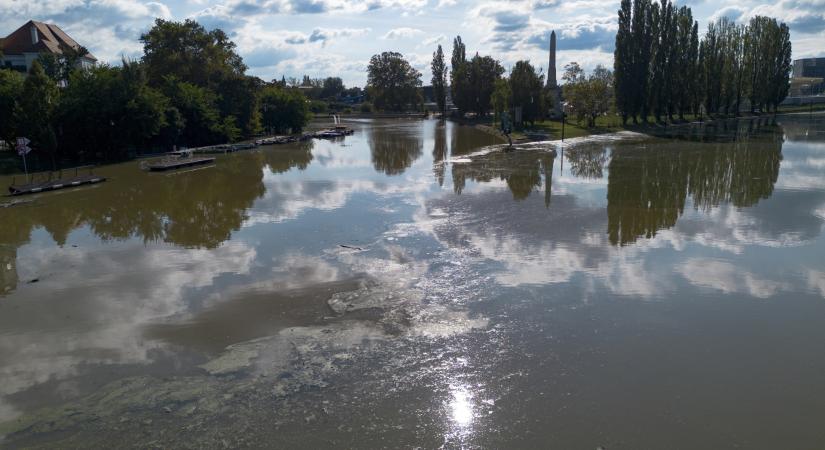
802, 108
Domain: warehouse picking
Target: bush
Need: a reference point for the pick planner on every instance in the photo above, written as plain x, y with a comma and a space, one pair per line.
317, 107
366, 107
347, 110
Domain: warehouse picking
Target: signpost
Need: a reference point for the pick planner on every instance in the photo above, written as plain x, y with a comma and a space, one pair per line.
22, 149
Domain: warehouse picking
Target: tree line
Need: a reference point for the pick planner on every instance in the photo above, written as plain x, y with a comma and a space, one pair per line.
190, 88
477, 85
662, 68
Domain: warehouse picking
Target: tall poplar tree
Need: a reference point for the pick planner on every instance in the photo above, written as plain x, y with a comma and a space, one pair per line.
623, 62
459, 76
439, 80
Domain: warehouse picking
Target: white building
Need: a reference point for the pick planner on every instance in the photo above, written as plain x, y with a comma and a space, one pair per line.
23, 46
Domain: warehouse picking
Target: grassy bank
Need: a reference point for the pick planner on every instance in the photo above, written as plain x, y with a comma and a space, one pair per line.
552, 129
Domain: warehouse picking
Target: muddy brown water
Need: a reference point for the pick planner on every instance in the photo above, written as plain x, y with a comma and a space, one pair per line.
413, 285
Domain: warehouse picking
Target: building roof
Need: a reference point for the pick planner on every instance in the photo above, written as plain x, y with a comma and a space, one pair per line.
49, 40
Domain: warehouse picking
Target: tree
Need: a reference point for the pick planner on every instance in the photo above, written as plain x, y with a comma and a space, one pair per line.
623, 62
526, 85
11, 89
283, 110
459, 76
439, 80
37, 105
197, 108
502, 97
588, 97
109, 110
392, 82
59, 66
642, 35
483, 73
332, 88
238, 98
188, 52
782, 65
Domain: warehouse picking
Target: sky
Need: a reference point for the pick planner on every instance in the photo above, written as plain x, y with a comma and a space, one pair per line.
323, 38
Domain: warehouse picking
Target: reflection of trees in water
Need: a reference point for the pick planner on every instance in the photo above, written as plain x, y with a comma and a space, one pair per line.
439, 151
199, 208
8, 269
522, 171
647, 188
729, 130
586, 162
466, 139
803, 128
283, 159
394, 150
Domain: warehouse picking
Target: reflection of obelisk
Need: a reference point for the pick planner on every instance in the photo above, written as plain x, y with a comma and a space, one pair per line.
552, 85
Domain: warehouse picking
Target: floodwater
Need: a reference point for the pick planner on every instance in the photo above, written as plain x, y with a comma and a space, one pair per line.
414, 285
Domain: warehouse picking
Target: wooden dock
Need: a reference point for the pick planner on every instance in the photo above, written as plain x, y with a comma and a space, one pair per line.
177, 163
332, 133
53, 185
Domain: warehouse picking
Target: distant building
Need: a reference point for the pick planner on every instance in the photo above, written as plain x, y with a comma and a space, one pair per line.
23, 46
809, 68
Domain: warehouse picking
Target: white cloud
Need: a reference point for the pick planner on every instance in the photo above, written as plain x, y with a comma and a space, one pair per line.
402, 33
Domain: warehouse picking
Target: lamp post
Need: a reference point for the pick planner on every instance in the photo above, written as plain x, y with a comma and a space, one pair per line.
563, 107
810, 100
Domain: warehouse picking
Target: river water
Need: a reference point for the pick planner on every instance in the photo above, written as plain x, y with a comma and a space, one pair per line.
415, 285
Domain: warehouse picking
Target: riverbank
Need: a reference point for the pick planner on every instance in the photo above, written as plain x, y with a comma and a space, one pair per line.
551, 130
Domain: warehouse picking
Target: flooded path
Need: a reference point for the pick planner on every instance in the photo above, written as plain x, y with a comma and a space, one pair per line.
413, 285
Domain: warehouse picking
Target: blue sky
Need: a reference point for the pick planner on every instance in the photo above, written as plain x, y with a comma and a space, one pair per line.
337, 37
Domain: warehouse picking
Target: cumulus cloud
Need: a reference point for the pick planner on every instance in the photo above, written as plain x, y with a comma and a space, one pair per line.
402, 33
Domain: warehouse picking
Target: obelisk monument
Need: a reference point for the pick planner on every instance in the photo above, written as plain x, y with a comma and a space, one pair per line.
552, 85
551, 67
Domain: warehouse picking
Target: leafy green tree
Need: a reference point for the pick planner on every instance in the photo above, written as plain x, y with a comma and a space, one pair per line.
439, 80
483, 73
59, 66
38, 102
238, 98
502, 97
392, 82
333, 87
527, 85
188, 52
110, 110
588, 96
11, 89
200, 114
283, 110
782, 65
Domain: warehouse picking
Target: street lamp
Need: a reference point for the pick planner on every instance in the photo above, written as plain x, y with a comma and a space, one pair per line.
810, 100
563, 114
